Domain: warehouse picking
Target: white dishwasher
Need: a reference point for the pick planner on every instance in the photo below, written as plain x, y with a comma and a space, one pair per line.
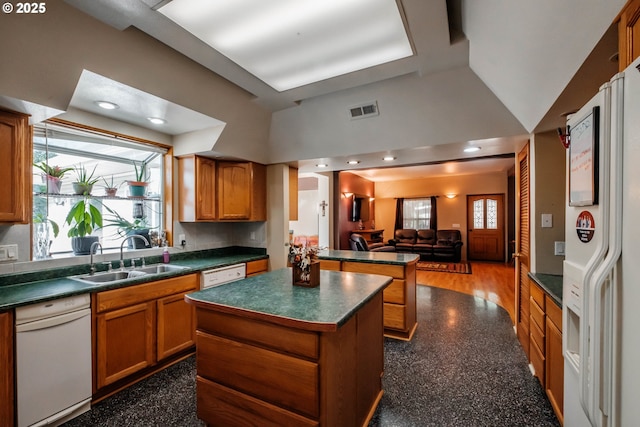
53, 361
222, 275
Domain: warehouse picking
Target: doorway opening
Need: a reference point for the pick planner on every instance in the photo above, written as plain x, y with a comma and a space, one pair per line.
312, 226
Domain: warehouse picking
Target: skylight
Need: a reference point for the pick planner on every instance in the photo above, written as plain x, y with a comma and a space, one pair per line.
292, 43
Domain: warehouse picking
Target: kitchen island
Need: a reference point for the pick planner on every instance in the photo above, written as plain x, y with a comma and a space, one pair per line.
273, 354
400, 310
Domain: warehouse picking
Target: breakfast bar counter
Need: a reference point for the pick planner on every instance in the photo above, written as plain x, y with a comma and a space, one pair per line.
270, 353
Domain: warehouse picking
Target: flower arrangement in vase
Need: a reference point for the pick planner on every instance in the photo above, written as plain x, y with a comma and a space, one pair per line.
52, 175
304, 265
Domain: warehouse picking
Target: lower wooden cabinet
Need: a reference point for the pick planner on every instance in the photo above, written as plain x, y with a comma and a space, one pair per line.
139, 326
7, 393
545, 346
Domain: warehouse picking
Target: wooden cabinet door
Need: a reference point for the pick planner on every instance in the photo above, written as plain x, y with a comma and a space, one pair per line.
629, 34
234, 191
522, 248
176, 325
16, 150
7, 394
125, 342
257, 267
205, 189
197, 189
554, 380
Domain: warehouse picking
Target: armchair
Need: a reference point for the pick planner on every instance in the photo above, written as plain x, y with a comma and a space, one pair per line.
358, 243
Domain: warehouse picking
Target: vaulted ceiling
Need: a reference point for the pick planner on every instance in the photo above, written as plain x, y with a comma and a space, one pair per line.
483, 72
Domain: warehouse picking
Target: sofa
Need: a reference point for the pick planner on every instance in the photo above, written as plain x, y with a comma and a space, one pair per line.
431, 245
358, 243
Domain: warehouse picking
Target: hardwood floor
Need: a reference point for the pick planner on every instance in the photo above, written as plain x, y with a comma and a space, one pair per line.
491, 281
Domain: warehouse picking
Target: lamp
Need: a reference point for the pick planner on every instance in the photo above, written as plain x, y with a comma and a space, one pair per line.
347, 195
450, 195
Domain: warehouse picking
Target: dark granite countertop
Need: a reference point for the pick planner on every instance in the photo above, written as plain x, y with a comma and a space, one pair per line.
271, 297
33, 287
373, 257
551, 284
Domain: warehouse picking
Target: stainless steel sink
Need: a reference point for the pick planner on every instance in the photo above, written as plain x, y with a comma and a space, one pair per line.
123, 275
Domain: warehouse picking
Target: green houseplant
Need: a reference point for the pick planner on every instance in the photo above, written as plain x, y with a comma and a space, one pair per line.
84, 180
52, 175
110, 188
138, 187
83, 218
124, 228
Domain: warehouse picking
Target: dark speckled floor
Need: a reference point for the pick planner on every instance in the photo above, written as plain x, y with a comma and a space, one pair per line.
464, 367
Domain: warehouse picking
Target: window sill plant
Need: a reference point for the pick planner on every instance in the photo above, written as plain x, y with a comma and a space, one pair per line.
83, 218
110, 188
52, 175
84, 182
138, 187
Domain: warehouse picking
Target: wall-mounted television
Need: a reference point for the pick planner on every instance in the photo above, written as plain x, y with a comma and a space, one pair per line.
360, 208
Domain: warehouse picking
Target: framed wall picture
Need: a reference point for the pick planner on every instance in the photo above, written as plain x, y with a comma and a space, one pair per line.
583, 160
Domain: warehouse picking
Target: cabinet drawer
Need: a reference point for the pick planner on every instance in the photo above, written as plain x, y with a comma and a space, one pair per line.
395, 292
554, 313
537, 294
329, 264
230, 408
538, 361
394, 316
135, 294
259, 266
286, 340
274, 377
536, 313
395, 271
537, 335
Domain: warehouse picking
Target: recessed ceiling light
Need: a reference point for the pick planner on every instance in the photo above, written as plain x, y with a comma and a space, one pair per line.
322, 165
156, 120
471, 149
388, 158
353, 162
107, 105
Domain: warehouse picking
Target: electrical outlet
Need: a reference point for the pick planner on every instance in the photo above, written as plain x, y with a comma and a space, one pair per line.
253, 235
547, 221
558, 248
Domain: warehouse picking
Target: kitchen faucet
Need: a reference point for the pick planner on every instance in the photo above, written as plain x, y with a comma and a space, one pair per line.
133, 236
92, 268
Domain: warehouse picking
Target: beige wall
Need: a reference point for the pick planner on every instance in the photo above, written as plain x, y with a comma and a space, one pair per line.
549, 196
451, 212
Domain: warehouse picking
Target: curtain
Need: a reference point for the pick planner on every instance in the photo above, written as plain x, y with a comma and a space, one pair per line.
399, 214
434, 214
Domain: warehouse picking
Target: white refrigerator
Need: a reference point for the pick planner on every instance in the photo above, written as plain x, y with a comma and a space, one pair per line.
601, 277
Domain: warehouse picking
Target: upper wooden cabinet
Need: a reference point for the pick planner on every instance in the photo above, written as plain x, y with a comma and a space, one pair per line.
16, 148
629, 34
213, 190
242, 191
197, 184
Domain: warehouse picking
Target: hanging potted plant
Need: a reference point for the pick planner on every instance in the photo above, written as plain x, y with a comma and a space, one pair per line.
84, 182
83, 218
138, 187
110, 188
52, 176
124, 228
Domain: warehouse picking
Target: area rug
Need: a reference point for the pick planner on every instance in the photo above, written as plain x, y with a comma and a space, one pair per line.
445, 267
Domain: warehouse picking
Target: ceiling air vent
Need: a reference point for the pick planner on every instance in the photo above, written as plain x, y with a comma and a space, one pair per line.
361, 111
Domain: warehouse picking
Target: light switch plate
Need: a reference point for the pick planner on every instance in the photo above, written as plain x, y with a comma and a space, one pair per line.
547, 220
8, 253
558, 248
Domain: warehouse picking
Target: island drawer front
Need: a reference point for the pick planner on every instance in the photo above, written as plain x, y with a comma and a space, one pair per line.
276, 378
537, 294
538, 361
135, 294
229, 407
395, 292
394, 316
554, 313
329, 264
282, 339
395, 271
